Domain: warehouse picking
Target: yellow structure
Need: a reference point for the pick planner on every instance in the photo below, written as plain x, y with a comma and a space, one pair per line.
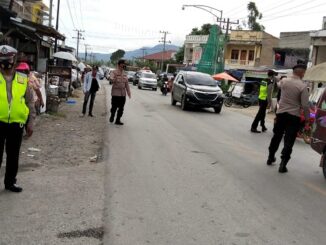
249, 49
31, 10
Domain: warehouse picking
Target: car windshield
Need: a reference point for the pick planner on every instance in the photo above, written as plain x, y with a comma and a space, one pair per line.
148, 75
200, 79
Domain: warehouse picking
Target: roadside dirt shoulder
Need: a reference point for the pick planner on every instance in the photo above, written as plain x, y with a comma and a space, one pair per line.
62, 201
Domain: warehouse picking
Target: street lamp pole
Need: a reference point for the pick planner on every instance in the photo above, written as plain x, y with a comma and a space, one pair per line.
208, 9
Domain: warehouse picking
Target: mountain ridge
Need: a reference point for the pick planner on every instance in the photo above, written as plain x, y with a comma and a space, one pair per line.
137, 53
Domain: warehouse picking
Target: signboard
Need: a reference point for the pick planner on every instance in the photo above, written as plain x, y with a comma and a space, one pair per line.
256, 74
196, 55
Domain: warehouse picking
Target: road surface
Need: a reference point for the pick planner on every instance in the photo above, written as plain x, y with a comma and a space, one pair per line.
196, 177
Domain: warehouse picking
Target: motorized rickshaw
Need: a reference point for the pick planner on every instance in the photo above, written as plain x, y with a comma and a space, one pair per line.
243, 93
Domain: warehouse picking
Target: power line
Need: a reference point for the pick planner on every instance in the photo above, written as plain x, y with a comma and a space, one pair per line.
292, 13
295, 7
72, 19
81, 13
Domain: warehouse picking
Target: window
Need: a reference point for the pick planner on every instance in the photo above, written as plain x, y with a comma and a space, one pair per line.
235, 54
251, 56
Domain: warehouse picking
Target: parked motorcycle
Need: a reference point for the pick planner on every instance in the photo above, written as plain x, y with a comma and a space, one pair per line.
244, 100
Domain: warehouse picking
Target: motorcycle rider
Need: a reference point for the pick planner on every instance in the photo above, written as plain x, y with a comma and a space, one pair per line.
16, 106
163, 85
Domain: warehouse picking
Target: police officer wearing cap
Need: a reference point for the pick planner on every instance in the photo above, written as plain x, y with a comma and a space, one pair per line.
120, 88
16, 106
294, 98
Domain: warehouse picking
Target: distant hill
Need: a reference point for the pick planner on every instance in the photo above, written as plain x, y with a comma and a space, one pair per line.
134, 53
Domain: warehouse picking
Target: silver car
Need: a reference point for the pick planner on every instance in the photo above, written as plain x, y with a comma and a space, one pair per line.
147, 80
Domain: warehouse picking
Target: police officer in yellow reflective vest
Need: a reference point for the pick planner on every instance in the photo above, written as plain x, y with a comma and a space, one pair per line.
16, 107
265, 90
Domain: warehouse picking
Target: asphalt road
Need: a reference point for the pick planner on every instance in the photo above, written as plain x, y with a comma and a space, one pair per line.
195, 177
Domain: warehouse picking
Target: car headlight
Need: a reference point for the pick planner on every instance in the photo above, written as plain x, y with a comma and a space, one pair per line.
190, 91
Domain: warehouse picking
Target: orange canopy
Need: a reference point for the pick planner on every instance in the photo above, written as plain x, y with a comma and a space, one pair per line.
225, 76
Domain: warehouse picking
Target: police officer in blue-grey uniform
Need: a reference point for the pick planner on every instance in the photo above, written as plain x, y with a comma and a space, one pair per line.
16, 107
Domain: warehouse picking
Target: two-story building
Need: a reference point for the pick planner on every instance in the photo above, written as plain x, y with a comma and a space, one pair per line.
292, 47
249, 49
193, 48
318, 45
32, 39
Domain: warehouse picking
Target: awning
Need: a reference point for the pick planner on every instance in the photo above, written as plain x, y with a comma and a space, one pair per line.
38, 28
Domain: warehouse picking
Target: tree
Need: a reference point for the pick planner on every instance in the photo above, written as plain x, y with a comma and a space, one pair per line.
203, 31
253, 16
117, 55
180, 55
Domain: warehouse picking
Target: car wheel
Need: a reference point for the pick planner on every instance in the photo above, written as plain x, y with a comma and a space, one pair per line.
184, 103
228, 102
173, 101
139, 87
218, 109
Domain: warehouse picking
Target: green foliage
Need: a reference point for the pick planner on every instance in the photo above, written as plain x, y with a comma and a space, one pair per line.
203, 31
146, 63
117, 55
253, 16
180, 55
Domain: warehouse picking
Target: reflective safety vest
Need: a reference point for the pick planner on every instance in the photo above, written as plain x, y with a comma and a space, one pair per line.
263, 90
16, 111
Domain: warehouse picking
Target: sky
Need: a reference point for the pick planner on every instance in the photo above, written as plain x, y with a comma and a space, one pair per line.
131, 24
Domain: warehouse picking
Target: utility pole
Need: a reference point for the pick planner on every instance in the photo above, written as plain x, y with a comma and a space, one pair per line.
57, 26
228, 25
86, 48
163, 40
79, 37
143, 49
227, 28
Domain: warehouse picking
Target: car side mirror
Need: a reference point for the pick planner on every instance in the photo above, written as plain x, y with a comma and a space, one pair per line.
182, 82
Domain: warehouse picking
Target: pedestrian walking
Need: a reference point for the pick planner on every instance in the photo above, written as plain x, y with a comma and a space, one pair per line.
294, 98
120, 87
265, 101
91, 86
16, 107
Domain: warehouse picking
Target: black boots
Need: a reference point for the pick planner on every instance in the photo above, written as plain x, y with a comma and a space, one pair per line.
118, 122
263, 128
14, 188
282, 168
111, 118
254, 130
270, 160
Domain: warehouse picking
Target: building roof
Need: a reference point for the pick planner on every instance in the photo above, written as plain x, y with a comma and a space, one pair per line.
38, 28
158, 56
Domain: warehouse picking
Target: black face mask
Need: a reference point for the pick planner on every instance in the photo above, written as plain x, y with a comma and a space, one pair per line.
6, 65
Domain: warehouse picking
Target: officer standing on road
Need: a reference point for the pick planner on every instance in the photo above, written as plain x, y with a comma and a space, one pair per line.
16, 106
294, 97
120, 87
265, 101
